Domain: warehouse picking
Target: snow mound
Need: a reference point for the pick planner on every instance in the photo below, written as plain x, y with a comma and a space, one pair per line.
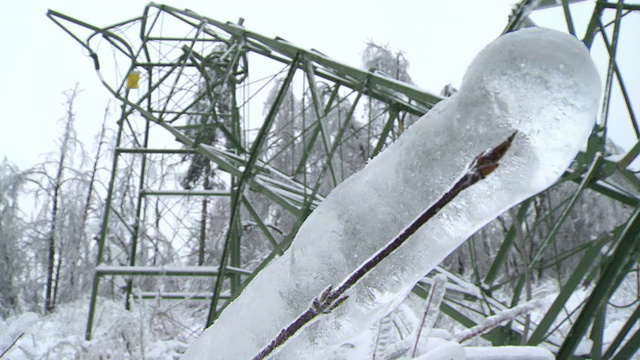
150, 331
537, 81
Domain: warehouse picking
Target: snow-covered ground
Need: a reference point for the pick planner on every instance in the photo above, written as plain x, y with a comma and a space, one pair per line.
164, 330
149, 331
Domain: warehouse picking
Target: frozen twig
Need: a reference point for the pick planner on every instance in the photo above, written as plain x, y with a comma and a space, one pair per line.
489, 323
6, 351
483, 165
383, 338
431, 310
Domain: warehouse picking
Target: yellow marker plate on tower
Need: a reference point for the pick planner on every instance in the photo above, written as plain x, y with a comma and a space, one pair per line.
132, 80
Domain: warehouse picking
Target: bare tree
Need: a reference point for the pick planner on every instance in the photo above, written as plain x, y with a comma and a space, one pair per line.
54, 258
11, 236
65, 194
381, 59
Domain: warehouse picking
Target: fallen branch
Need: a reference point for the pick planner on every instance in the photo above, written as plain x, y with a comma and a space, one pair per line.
330, 298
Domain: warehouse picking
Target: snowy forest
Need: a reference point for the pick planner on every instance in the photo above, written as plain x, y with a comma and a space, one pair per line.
176, 246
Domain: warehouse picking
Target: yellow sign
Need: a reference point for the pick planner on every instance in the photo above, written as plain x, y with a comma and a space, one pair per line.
132, 80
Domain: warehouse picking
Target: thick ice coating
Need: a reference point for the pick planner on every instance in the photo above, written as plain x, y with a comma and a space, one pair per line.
537, 81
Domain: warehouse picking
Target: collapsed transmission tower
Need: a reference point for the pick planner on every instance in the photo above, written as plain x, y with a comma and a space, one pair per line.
186, 75
192, 144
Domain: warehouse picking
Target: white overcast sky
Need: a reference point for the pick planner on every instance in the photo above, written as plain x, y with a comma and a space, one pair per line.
39, 61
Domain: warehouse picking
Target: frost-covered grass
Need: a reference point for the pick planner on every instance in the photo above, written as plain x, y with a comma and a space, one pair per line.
151, 330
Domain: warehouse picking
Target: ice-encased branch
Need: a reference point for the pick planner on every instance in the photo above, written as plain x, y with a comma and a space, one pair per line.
489, 323
431, 310
483, 165
6, 351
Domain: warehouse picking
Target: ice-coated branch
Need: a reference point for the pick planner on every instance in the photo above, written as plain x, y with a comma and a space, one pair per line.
491, 322
431, 311
6, 351
483, 165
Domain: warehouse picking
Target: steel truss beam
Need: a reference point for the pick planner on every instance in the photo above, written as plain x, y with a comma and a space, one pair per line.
189, 64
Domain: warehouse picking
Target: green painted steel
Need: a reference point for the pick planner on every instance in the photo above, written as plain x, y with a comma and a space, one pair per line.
167, 271
588, 177
102, 240
627, 245
630, 348
597, 335
139, 203
246, 173
199, 83
626, 329
507, 244
568, 289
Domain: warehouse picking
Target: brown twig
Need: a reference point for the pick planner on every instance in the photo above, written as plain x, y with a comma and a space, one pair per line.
330, 298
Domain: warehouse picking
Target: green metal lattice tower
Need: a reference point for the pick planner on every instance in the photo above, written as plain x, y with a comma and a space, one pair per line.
188, 86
